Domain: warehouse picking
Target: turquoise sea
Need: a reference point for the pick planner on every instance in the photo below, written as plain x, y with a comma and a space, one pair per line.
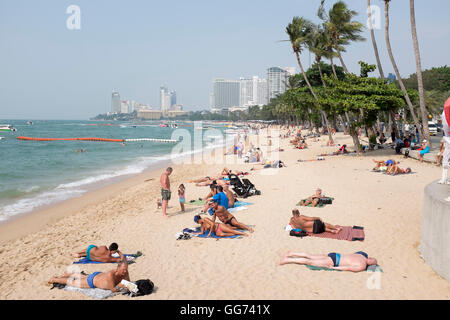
38, 173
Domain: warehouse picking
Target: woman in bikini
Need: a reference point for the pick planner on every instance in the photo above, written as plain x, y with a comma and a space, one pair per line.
221, 230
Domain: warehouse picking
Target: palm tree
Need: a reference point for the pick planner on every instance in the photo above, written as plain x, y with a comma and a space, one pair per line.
423, 108
394, 65
300, 32
341, 27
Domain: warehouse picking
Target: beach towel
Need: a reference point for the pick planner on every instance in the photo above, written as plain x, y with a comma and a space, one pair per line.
319, 205
130, 259
93, 293
354, 233
213, 234
373, 268
241, 203
197, 202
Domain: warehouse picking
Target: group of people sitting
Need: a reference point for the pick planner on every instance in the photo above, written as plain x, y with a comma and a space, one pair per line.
228, 224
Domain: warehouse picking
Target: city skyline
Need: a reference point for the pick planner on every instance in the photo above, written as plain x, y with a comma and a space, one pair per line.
69, 74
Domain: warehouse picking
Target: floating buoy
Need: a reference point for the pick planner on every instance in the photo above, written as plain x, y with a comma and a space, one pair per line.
98, 139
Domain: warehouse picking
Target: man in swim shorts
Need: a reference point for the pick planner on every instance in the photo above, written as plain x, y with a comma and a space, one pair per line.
355, 262
311, 224
165, 190
100, 254
103, 280
225, 217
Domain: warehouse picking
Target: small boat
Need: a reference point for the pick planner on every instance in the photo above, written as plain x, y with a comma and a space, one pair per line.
1, 138
7, 127
29, 122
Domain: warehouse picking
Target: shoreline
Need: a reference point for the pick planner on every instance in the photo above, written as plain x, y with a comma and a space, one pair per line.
26, 223
389, 208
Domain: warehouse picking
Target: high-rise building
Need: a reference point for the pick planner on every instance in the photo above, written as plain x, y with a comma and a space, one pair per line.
115, 102
246, 92
291, 70
276, 82
226, 93
167, 98
259, 91
124, 107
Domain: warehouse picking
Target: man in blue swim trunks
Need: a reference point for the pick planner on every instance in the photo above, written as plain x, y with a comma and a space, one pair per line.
355, 262
101, 253
103, 280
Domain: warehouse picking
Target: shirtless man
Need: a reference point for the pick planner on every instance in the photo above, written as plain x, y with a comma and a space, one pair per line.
230, 196
226, 217
383, 165
103, 280
165, 190
358, 261
221, 230
101, 254
314, 199
311, 224
397, 170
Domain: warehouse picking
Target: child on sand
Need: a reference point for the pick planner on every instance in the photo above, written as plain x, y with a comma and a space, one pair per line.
181, 196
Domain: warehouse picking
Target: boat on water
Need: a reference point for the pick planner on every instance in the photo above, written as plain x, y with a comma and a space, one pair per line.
30, 122
7, 127
1, 138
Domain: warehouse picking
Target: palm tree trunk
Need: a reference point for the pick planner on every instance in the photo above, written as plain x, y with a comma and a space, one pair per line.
374, 42
423, 109
394, 65
311, 89
340, 57
330, 136
321, 74
332, 67
304, 76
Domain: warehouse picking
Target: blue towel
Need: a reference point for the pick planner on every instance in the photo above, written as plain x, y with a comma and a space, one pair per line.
87, 261
205, 234
241, 203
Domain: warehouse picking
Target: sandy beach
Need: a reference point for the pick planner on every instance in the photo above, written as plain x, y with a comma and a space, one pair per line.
39, 245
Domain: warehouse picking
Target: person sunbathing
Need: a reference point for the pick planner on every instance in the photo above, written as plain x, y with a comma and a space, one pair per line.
100, 254
301, 145
270, 164
394, 170
103, 280
311, 224
314, 200
341, 150
226, 217
220, 229
355, 262
383, 165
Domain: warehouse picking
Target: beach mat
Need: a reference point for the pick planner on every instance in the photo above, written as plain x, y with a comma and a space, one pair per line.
87, 261
236, 204
213, 234
320, 205
347, 233
93, 293
372, 268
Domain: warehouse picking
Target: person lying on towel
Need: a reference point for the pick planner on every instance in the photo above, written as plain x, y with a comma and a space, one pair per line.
384, 165
316, 199
103, 280
397, 170
225, 217
100, 254
311, 224
221, 230
355, 262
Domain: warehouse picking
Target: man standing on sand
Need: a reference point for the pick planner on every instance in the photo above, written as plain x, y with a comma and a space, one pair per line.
226, 217
358, 261
103, 280
165, 190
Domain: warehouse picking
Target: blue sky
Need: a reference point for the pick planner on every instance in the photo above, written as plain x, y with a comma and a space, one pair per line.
50, 72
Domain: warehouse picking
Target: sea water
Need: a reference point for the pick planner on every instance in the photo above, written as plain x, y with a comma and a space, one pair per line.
38, 173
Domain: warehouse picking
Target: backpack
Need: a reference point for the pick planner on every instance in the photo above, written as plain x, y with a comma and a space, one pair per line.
298, 233
145, 287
